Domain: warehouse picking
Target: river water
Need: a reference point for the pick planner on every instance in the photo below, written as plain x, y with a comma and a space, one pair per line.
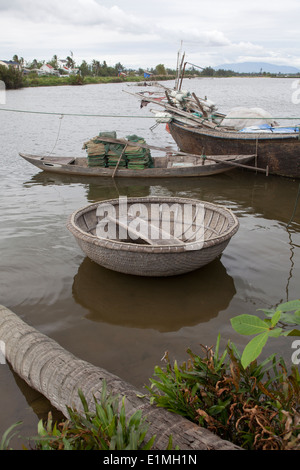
122, 323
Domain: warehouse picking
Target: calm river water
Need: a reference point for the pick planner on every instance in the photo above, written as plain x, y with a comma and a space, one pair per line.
121, 323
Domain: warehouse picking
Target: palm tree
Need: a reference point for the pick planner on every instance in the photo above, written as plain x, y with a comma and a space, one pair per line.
96, 67
70, 62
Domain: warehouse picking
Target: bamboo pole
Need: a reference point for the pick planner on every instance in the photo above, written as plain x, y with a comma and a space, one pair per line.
57, 374
200, 105
122, 153
175, 110
175, 152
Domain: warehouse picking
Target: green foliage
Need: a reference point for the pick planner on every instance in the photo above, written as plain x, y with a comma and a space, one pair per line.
279, 322
255, 407
76, 79
12, 77
106, 428
160, 69
7, 436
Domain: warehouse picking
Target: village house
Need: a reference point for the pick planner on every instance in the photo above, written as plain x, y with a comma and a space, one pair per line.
47, 69
10, 63
63, 65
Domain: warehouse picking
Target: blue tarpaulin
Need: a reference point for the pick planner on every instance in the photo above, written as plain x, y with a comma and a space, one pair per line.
273, 130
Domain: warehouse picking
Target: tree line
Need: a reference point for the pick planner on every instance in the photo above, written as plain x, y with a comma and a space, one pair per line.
94, 68
102, 69
14, 77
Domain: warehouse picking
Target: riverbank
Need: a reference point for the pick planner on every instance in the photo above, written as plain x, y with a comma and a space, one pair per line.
47, 81
88, 80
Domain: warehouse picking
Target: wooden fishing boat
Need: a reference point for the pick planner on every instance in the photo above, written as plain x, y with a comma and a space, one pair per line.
163, 167
153, 236
198, 129
277, 152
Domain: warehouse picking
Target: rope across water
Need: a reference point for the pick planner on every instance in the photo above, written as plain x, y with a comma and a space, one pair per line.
116, 115
75, 114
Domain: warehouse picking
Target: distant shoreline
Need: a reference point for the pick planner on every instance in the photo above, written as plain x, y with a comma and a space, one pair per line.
88, 80
73, 80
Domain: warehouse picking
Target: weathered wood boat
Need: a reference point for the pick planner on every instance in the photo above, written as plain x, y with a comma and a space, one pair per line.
163, 166
153, 236
279, 152
198, 129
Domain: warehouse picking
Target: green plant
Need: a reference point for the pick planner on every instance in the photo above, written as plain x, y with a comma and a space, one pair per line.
255, 407
280, 321
106, 428
13, 78
7, 436
76, 79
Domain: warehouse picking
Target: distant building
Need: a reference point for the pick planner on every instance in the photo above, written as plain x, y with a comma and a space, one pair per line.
62, 65
10, 63
47, 69
147, 74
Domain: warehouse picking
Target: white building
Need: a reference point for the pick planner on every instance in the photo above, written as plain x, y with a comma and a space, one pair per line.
47, 69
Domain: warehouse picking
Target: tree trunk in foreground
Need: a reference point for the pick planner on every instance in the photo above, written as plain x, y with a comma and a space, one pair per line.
57, 374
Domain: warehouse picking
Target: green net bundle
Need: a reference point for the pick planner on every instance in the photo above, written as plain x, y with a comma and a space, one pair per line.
137, 157
113, 155
107, 154
96, 153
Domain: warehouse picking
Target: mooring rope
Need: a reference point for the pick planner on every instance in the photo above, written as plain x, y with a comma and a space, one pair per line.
74, 114
295, 207
58, 133
116, 115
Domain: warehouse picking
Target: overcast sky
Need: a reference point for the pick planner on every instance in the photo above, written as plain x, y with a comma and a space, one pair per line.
143, 34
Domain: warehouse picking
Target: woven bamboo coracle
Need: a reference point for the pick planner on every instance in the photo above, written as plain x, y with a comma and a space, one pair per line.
164, 256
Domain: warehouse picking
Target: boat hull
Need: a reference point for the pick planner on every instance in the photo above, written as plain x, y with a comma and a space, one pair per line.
279, 152
76, 166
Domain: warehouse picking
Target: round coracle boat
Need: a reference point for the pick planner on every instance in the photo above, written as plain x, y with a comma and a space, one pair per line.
153, 236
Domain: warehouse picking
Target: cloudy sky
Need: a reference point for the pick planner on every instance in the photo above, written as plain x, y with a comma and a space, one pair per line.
143, 34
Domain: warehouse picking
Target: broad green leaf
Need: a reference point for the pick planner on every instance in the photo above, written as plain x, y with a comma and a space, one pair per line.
267, 311
289, 306
254, 348
275, 332
275, 318
249, 325
291, 317
293, 332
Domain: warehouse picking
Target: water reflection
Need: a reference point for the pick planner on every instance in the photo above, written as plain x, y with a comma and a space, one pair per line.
161, 304
39, 403
271, 197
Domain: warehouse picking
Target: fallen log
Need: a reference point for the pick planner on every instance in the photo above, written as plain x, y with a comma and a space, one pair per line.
57, 374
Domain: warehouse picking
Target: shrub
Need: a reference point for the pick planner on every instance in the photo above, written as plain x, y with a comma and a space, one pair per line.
257, 407
76, 79
105, 429
281, 321
13, 78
